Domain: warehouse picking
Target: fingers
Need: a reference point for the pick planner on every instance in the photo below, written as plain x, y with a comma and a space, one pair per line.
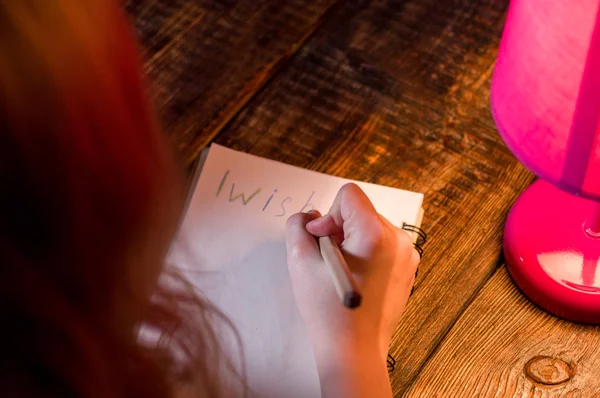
323, 226
414, 263
406, 244
300, 244
414, 258
326, 226
352, 219
311, 281
352, 205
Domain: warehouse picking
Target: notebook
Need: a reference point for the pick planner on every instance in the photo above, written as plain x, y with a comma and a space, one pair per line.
231, 246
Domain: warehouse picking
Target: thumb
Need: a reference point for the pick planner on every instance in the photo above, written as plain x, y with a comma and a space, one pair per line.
302, 247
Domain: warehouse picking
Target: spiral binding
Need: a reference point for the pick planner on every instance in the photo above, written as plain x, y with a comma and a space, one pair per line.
391, 363
421, 236
419, 243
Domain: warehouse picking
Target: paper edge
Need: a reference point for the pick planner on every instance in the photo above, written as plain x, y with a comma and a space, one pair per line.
195, 177
420, 216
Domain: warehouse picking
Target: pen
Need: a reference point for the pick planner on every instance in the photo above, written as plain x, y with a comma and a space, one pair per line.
344, 283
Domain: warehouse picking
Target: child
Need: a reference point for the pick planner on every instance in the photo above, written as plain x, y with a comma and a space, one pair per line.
90, 202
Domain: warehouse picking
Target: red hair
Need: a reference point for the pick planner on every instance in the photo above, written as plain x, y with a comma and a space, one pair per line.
90, 201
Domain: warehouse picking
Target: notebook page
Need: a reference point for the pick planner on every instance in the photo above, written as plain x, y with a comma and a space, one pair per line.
231, 245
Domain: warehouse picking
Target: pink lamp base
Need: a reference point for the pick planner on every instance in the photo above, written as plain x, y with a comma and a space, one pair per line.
551, 253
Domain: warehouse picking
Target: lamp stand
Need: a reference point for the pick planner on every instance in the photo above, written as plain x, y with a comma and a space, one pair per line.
552, 250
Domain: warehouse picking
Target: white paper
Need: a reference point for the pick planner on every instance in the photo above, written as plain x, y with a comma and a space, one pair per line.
231, 244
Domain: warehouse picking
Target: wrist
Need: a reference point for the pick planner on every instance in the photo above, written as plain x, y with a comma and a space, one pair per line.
334, 362
355, 372
345, 348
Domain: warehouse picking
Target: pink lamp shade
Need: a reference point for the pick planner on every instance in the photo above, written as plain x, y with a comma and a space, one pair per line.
545, 100
545, 90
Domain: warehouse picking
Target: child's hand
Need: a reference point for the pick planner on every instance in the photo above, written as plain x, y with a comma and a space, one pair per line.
383, 262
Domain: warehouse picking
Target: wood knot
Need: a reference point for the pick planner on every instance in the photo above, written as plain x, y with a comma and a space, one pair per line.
548, 371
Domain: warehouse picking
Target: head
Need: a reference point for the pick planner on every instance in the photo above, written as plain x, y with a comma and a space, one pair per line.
90, 200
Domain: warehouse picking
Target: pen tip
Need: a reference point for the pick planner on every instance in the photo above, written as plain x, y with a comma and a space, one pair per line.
352, 300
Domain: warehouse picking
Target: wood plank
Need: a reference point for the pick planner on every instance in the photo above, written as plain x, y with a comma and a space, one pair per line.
505, 346
397, 93
206, 58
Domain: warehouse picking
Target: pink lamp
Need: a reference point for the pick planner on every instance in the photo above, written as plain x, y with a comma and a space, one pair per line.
545, 99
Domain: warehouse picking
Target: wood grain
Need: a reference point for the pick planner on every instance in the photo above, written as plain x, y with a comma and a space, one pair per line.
504, 346
206, 58
397, 93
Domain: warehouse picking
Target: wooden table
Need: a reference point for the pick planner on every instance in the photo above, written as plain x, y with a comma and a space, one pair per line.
396, 93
